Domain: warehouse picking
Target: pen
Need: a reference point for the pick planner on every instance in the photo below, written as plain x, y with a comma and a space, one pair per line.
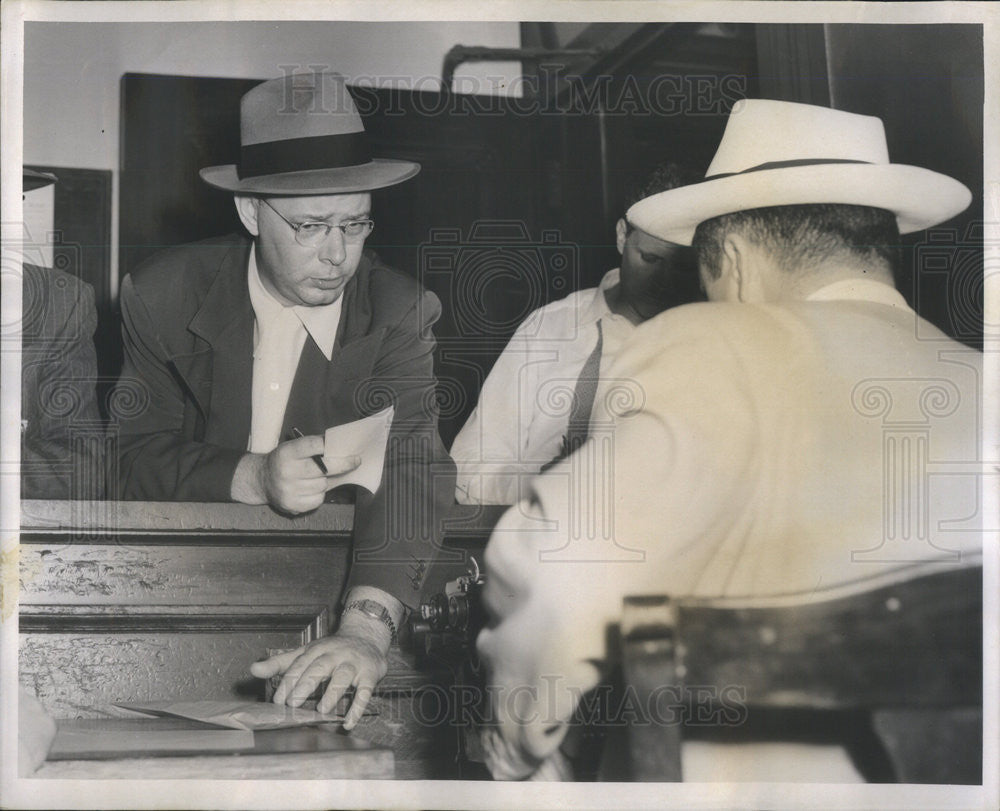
297, 434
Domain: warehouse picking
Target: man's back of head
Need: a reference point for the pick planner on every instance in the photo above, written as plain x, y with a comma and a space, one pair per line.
809, 246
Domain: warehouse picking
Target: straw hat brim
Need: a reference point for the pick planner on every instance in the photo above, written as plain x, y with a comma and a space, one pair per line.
920, 198
377, 174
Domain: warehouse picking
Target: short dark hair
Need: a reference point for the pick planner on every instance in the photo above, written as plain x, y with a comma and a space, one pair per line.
664, 177
801, 236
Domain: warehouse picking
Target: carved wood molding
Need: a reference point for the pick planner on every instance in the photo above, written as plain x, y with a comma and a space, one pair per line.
127, 619
239, 537
161, 523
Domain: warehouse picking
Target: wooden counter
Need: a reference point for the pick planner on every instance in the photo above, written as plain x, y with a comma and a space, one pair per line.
135, 601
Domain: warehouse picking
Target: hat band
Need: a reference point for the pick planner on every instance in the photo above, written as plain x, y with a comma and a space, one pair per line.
304, 154
786, 165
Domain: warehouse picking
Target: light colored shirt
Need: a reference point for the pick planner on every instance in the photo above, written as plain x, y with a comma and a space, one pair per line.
279, 334
763, 450
524, 407
860, 290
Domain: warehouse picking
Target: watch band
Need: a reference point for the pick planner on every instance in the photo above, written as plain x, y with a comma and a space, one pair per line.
375, 610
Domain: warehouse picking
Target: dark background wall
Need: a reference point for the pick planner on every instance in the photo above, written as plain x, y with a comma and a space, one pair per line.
926, 83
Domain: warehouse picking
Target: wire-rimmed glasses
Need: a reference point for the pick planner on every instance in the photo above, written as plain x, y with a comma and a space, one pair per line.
313, 232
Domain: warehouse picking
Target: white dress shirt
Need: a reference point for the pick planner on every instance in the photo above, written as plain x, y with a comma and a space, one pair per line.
523, 411
279, 335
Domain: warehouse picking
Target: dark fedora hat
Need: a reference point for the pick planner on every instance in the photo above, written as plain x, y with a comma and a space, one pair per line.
301, 134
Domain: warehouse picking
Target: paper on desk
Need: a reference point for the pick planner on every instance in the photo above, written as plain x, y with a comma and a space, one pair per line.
236, 714
366, 438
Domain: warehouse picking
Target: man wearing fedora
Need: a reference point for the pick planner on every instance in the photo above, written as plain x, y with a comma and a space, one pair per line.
763, 456
244, 343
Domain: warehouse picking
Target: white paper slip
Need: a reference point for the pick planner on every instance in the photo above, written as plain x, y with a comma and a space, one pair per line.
366, 438
248, 715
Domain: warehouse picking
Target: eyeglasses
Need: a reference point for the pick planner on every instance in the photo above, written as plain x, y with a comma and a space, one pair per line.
313, 232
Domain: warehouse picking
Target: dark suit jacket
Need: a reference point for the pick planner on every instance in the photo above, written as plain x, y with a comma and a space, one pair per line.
62, 436
188, 334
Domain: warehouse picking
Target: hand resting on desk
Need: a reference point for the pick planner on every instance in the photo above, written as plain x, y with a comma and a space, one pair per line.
289, 478
355, 656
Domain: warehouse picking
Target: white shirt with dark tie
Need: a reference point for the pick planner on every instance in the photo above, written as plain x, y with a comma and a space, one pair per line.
522, 417
280, 332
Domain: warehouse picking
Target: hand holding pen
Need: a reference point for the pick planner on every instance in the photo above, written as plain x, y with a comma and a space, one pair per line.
294, 477
318, 458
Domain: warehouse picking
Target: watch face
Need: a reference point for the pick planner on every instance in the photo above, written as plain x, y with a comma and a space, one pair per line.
376, 611
372, 608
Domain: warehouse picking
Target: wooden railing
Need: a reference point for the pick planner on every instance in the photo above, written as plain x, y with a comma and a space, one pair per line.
124, 601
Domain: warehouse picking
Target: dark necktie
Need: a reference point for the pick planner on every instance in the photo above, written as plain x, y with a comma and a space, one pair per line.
583, 403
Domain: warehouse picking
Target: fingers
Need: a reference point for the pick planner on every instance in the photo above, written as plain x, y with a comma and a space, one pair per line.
304, 447
294, 483
344, 676
341, 679
292, 674
344, 660
275, 665
339, 465
362, 695
321, 668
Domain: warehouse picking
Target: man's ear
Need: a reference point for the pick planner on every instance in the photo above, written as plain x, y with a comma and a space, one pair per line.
621, 234
247, 207
739, 262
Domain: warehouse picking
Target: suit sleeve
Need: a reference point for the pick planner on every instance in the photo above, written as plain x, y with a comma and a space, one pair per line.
155, 460
398, 530
63, 442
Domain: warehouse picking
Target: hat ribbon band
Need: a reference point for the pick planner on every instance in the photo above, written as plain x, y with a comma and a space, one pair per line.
787, 165
304, 154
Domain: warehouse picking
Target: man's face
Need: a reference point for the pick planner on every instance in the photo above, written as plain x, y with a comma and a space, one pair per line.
656, 275
308, 275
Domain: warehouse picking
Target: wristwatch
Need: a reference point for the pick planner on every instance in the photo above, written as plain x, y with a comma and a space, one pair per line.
375, 610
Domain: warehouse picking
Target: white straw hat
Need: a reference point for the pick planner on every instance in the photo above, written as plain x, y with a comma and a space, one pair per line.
778, 153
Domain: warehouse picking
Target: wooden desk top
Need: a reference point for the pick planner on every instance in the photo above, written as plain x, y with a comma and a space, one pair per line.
41, 517
300, 753
136, 601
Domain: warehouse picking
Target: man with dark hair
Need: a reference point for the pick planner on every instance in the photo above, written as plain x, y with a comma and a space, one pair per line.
766, 450
535, 403
801, 238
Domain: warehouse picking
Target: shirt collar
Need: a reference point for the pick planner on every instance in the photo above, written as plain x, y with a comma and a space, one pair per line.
859, 290
321, 321
598, 306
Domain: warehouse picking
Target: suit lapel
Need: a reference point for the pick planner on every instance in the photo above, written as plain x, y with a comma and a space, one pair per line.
219, 373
